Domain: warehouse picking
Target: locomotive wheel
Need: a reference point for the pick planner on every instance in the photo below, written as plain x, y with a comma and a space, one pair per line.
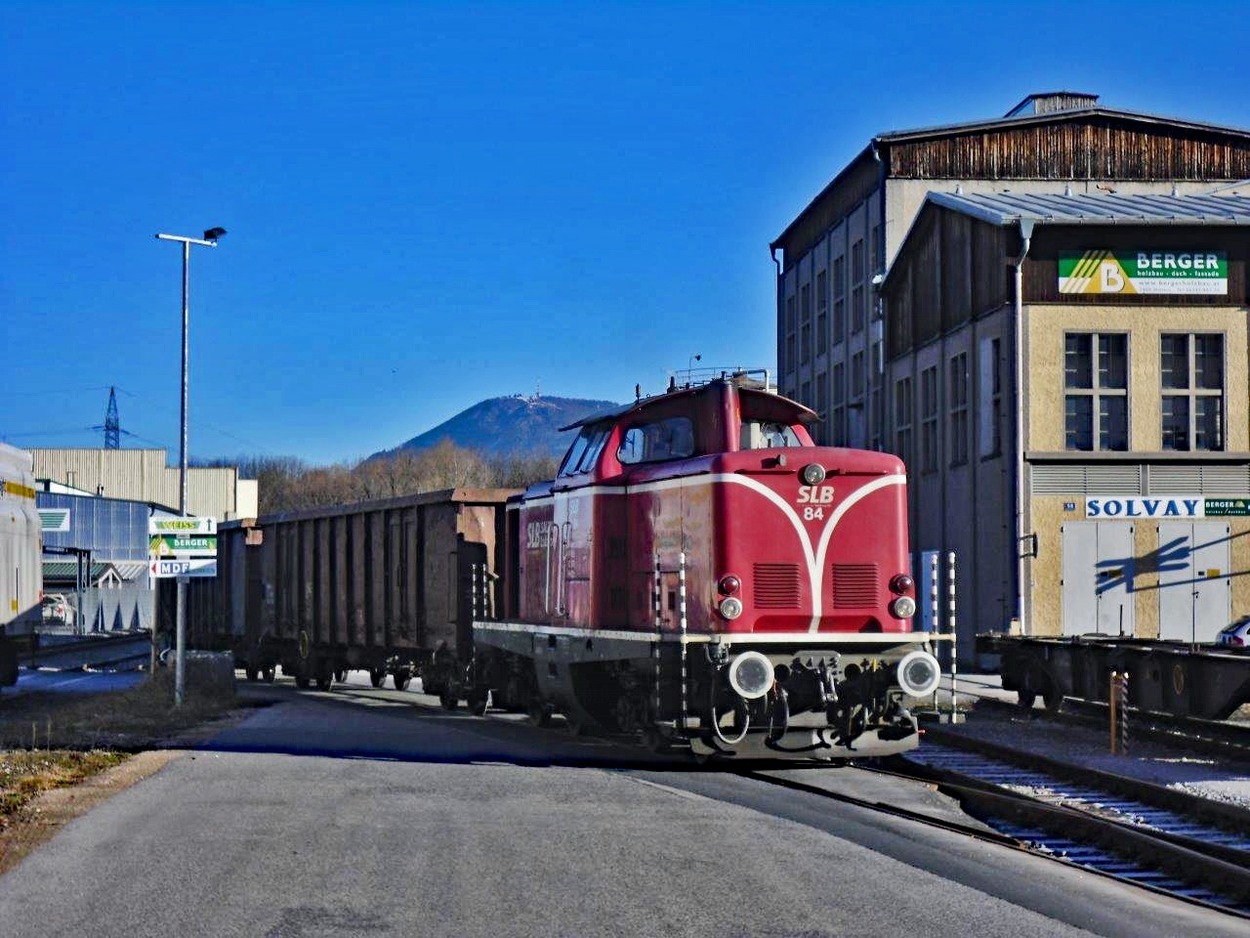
403, 678
377, 677
302, 681
268, 674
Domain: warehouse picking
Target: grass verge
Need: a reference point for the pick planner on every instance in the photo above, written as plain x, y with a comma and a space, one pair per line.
26, 774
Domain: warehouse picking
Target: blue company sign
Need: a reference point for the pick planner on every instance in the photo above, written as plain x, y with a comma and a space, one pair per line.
1181, 507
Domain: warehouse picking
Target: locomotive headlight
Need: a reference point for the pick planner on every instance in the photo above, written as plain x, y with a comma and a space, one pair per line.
903, 608
751, 675
918, 674
812, 474
730, 607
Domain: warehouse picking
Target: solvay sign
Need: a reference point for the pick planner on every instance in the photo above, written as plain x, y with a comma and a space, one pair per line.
1178, 506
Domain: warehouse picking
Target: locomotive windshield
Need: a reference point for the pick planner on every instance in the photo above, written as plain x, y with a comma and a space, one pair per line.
584, 452
658, 440
764, 434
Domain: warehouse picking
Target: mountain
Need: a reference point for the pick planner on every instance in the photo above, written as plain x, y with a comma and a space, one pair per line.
501, 425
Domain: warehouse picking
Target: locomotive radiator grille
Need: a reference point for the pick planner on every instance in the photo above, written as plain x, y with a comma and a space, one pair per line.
854, 585
777, 585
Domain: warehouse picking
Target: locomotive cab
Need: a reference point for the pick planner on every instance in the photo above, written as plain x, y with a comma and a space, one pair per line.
701, 571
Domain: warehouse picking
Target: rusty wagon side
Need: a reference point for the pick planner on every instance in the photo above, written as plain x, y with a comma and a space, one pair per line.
389, 586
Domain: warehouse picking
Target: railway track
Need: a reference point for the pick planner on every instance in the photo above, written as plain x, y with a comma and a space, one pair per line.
1211, 737
1137, 832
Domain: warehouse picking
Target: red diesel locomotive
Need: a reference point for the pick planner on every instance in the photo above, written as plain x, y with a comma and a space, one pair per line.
701, 573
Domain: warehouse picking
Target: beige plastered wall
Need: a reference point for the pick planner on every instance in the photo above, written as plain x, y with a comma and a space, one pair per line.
1044, 331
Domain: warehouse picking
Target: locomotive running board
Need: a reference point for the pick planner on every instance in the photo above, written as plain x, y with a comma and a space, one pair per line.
727, 638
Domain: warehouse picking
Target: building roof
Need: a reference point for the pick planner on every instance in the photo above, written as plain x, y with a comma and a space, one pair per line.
1023, 119
1083, 107
1007, 208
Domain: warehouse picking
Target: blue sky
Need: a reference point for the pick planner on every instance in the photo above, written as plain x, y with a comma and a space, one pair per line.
432, 204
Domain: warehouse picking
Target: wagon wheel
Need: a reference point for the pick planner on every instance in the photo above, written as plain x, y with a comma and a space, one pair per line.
538, 712
302, 680
325, 679
377, 676
479, 702
449, 698
252, 673
268, 674
1025, 698
403, 677
341, 675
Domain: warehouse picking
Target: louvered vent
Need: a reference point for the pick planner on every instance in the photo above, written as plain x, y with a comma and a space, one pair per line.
854, 585
1079, 479
1198, 480
777, 585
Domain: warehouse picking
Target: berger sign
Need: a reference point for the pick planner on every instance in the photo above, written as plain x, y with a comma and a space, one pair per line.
1191, 273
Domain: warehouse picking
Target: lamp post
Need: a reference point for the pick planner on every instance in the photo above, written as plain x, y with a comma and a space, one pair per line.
209, 241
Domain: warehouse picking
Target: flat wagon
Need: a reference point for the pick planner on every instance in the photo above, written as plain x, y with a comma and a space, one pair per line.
388, 586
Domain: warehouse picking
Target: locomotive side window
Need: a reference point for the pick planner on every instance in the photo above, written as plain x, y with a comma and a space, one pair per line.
585, 451
670, 438
762, 434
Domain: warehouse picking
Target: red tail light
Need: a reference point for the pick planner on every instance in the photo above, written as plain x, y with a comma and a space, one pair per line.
901, 583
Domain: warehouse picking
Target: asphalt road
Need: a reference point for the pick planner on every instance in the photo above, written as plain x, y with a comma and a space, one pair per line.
363, 812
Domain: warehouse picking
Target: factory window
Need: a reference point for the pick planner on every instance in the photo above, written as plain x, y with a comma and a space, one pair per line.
1095, 369
928, 419
990, 412
822, 312
1191, 369
903, 409
805, 394
805, 324
837, 412
791, 361
821, 404
857, 290
877, 417
958, 370
839, 299
857, 376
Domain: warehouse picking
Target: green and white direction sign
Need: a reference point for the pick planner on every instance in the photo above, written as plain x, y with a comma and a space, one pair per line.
182, 547
1157, 273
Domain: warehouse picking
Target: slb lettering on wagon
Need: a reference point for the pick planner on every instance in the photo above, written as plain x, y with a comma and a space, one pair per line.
537, 534
1176, 507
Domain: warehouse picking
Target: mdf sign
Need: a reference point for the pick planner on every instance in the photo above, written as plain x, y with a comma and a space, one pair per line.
1161, 507
1158, 273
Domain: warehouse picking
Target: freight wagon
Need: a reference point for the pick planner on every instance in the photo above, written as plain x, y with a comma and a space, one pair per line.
388, 586
21, 565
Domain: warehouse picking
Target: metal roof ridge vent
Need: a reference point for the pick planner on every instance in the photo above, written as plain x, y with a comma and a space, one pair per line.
1047, 102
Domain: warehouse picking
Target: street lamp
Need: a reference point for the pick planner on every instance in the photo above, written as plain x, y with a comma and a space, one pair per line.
209, 241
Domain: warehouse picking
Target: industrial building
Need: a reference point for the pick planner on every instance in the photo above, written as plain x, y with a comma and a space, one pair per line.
144, 475
832, 256
1067, 378
897, 306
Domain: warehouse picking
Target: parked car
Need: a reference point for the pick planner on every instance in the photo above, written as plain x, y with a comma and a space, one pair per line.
57, 610
1236, 635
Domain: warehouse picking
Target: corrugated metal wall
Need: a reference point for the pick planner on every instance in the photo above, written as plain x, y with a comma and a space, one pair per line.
141, 475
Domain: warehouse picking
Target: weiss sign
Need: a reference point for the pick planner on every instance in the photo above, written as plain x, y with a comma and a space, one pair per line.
1185, 273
